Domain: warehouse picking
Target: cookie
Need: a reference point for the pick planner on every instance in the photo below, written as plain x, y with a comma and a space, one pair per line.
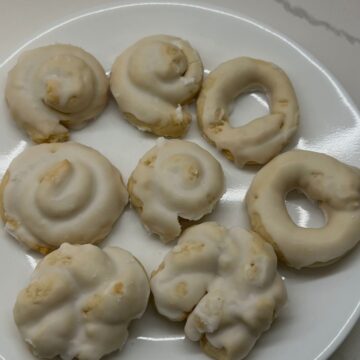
335, 187
224, 284
153, 79
80, 301
174, 181
261, 139
63, 192
54, 88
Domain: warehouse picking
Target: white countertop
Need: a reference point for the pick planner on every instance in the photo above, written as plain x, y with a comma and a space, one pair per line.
329, 29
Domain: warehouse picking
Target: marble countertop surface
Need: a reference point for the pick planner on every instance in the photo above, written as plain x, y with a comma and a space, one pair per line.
329, 29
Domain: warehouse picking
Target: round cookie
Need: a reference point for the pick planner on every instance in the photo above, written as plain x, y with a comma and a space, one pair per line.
53, 88
153, 79
263, 138
173, 181
335, 186
225, 284
63, 192
80, 301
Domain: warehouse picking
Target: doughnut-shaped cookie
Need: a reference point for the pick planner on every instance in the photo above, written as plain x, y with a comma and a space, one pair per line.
225, 284
53, 88
175, 180
260, 140
335, 187
63, 192
80, 302
153, 79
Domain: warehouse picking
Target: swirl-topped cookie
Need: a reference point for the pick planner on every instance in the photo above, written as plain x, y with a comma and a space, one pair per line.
224, 283
175, 180
64, 192
153, 79
80, 302
53, 88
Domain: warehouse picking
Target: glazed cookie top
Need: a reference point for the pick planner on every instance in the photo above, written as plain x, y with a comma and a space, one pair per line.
225, 283
175, 179
63, 192
55, 87
80, 301
152, 79
334, 185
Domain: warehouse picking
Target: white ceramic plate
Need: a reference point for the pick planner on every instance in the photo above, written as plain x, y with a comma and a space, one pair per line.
323, 304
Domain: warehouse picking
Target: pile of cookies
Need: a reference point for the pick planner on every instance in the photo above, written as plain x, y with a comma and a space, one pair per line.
62, 199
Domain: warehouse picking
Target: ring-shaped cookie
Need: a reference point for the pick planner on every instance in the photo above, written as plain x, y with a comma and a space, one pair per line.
335, 186
263, 138
152, 79
53, 88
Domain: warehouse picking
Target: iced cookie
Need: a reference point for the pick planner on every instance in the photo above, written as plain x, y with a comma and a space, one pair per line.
335, 187
173, 181
153, 79
225, 284
64, 192
263, 138
54, 88
80, 301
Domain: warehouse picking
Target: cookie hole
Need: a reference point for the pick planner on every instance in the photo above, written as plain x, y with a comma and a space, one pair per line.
247, 107
303, 212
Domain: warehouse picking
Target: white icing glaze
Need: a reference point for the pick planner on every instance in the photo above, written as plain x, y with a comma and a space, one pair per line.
80, 302
64, 192
55, 87
336, 188
175, 179
262, 138
224, 283
151, 78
